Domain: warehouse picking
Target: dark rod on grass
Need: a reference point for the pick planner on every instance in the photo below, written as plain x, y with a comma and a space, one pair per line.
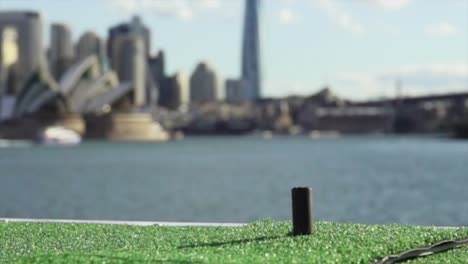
302, 211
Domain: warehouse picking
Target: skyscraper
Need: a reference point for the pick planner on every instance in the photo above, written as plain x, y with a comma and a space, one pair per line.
234, 90
173, 91
8, 54
134, 29
28, 25
135, 26
61, 54
8, 58
204, 84
157, 66
251, 79
130, 64
8, 47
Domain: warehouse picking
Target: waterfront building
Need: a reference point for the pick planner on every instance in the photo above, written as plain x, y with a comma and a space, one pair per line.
8, 47
157, 66
174, 91
204, 84
8, 55
251, 66
347, 119
90, 44
157, 76
28, 26
61, 53
234, 91
8, 58
129, 61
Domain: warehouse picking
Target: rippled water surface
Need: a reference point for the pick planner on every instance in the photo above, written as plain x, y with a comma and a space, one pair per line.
381, 180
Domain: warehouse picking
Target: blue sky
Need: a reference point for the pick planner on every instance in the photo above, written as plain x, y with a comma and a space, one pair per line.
358, 47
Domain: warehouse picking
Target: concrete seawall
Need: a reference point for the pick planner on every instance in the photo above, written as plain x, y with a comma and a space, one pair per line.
103, 222
143, 223
126, 127
119, 126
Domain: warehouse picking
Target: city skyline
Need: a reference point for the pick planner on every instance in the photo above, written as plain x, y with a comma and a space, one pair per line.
304, 49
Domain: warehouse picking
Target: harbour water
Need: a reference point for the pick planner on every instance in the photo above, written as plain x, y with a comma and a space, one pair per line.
377, 180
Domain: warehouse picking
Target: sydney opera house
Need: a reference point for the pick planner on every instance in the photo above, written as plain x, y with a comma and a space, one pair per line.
107, 88
75, 85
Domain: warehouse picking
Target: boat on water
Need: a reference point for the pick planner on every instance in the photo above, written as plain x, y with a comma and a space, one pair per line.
57, 135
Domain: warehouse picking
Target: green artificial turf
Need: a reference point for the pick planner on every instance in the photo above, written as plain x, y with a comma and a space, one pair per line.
263, 241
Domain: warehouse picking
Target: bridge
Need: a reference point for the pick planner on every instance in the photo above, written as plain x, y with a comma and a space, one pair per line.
458, 100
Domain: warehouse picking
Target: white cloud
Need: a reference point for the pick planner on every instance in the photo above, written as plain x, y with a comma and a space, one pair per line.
450, 70
441, 30
287, 17
393, 4
416, 79
210, 4
335, 11
357, 85
188, 9
179, 9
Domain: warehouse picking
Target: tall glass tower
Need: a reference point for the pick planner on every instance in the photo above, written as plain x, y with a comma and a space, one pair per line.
251, 80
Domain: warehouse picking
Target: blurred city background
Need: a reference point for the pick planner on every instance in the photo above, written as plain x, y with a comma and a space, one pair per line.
212, 110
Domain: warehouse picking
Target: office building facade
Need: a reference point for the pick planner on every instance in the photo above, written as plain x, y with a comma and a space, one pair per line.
135, 26
129, 61
61, 52
174, 91
28, 26
90, 44
126, 31
204, 84
234, 91
157, 66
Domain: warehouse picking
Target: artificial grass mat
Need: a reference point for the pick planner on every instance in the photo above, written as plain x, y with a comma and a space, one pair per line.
263, 241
